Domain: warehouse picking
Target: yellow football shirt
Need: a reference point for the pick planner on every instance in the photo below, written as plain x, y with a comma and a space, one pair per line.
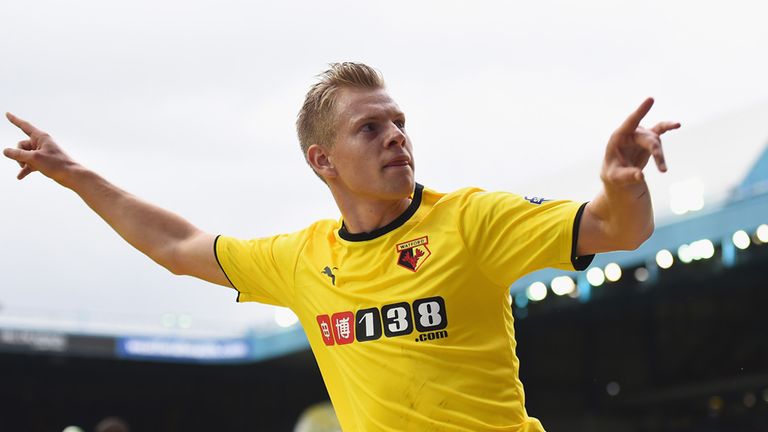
411, 324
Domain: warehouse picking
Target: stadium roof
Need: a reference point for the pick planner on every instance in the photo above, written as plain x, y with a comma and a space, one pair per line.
745, 209
756, 179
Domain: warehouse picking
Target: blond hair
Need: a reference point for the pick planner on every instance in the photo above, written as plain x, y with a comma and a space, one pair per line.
316, 123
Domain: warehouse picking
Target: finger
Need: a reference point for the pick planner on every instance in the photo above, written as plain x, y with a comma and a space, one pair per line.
653, 145
25, 171
662, 127
24, 125
24, 145
18, 155
634, 119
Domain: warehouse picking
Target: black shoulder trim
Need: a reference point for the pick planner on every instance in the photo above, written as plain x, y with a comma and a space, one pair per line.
579, 262
397, 223
216, 255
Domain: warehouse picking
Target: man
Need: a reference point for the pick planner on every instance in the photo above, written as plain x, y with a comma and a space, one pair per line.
405, 300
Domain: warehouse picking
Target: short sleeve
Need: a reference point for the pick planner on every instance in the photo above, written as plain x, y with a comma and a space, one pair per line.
261, 270
509, 236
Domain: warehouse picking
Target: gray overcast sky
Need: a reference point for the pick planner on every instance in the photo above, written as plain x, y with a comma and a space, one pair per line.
191, 105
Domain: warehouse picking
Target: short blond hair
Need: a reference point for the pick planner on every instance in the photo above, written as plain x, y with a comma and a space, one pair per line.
316, 123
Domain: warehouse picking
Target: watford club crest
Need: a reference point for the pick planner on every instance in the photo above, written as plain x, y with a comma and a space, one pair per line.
413, 253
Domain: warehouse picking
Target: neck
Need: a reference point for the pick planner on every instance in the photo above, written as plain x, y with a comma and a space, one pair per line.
363, 214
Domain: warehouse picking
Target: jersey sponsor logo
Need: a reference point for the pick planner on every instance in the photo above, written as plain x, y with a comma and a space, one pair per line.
325, 329
536, 200
329, 272
426, 316
343, 327
413, 253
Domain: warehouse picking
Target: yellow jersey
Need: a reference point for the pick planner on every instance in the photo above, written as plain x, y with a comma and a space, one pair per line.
411, 324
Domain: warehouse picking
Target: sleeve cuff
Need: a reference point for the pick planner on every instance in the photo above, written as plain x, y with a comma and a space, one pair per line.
579, 262
218, 261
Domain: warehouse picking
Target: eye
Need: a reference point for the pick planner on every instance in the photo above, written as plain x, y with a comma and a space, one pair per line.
400, 124
368, 127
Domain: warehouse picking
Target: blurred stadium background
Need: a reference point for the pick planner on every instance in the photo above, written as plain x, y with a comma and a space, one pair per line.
670, 337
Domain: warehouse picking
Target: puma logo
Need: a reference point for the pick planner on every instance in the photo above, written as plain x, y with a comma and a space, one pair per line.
328, 272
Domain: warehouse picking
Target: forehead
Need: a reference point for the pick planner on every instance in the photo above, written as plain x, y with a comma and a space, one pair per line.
355, 104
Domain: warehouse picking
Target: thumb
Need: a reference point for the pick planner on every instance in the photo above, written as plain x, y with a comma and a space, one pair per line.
18, 155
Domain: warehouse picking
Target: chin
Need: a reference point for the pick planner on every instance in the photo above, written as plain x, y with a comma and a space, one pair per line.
387, 187
401, 188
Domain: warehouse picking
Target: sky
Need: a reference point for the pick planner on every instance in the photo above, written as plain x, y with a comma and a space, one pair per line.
191, 105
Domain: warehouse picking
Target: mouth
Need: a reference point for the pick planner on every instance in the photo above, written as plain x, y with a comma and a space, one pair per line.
398, 162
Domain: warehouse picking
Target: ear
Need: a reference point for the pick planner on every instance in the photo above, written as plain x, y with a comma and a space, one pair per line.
319, 158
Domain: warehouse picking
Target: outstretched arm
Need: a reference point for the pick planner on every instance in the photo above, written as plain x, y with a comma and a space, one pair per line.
163, 236
621, 216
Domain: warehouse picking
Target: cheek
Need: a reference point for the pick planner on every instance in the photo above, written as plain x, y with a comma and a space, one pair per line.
356, 163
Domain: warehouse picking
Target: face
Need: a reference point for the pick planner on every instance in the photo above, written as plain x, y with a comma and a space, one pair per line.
372, 156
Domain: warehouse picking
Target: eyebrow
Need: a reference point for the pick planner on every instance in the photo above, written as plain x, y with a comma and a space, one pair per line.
377, 116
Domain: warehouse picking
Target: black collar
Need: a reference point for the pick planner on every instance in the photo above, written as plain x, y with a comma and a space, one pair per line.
397, 223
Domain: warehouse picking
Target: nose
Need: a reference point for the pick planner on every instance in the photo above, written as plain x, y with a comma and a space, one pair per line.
396, 136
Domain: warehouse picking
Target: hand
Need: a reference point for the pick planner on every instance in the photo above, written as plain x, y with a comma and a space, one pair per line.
38, 153
631, 146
